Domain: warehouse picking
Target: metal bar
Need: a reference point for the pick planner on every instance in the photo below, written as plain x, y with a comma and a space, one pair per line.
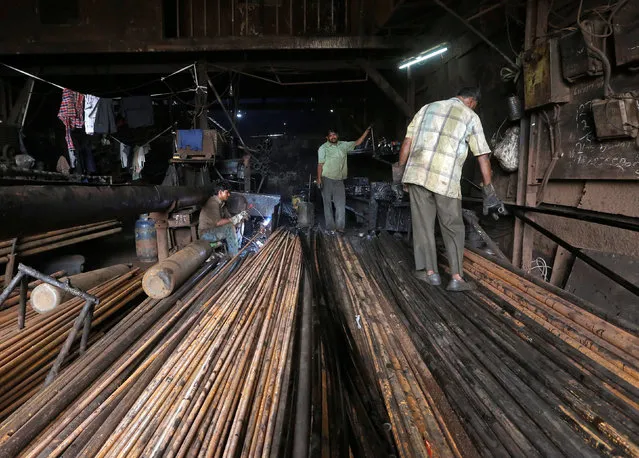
471, 218
621, 221
484, 11
87, 328
10, 287
230, 118
52, 281
385, 86
22, 308
177, 17
318, 15
476, 32
79, 322
303, 403
580, 254
191, 16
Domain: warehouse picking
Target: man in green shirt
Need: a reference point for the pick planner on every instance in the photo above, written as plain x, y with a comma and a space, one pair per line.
331, 172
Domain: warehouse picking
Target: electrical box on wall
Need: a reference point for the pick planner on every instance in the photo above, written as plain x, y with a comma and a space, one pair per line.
616, 118
576, 60
626, 34
543, 84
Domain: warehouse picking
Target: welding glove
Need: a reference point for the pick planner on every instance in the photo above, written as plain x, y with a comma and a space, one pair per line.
245, 215
237, 219
492, 204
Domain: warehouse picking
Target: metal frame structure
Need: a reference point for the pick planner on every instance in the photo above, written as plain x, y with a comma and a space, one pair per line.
82, 321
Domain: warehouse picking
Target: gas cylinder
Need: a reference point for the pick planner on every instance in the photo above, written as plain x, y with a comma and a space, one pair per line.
146, 239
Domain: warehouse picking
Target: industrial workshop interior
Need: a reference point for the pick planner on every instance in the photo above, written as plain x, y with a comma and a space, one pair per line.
319, 228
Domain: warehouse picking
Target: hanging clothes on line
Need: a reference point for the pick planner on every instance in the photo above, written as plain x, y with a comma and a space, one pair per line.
125, 154
105, 118
138, 161
90, 112
71, 114
137, 110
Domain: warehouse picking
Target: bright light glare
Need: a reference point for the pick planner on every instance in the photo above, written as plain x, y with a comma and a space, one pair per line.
239, 115
423, 57
266, 222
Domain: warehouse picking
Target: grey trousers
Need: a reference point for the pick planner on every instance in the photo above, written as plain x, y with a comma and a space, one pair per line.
333, 193
425, 206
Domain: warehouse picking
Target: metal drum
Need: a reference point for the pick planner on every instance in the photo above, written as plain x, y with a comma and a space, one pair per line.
146, 239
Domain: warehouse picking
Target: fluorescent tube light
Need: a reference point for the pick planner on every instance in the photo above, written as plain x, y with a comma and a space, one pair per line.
422, 57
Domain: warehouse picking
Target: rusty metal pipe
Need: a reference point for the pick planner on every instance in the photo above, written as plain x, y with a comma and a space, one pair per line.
166, 276
46, 297
28, 210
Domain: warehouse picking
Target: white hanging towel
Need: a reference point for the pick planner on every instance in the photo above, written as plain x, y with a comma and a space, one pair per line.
90, 113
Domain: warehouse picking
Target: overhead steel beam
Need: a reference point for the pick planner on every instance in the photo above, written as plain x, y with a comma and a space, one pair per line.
165, 69
266, 43
385, 86
28, 210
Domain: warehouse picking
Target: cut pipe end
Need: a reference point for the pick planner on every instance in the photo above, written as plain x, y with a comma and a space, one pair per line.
45, 298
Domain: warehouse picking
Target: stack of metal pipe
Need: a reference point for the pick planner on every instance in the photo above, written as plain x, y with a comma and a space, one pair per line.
528, 372
421, 420
40, 243
26, 355
205, 371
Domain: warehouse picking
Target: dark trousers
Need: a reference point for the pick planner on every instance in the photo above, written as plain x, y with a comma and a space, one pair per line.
425, 206
333, 193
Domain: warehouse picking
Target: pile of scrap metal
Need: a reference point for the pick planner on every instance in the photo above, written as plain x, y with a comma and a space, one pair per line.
208, 370
512, 369
379, 205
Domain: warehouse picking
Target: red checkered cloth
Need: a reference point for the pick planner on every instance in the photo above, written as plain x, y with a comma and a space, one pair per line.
71, 113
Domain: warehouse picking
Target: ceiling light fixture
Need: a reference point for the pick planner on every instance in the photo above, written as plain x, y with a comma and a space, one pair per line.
422, 57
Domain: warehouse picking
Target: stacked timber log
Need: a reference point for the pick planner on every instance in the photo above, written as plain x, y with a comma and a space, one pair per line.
41, 243
528, 372
205, 371
27, 355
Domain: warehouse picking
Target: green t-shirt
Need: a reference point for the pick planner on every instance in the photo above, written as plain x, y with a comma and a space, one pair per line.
333, 156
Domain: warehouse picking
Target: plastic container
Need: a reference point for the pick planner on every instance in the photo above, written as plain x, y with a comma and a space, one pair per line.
146, 239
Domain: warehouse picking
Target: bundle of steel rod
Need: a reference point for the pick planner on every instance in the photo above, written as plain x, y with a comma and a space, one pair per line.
206, 371
421, 420
40, 243
528, 372
26, 355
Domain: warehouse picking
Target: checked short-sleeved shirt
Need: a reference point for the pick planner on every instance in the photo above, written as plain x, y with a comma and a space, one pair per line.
441, 134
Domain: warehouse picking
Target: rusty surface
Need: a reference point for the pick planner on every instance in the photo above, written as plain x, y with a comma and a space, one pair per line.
543, 84
31, 209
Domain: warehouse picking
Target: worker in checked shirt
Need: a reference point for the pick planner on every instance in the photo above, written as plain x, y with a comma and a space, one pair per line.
332, 170
433, 153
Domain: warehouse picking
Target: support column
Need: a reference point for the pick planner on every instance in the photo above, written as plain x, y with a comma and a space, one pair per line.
201, 95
